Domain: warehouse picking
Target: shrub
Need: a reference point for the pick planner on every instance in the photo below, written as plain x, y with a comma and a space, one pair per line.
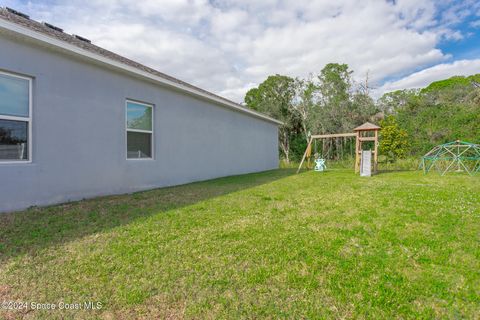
394, 142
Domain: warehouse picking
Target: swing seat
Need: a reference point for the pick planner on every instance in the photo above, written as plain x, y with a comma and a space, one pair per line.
320, 165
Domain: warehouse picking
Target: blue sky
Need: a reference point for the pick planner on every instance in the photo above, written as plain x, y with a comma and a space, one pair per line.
230, 46
467, 47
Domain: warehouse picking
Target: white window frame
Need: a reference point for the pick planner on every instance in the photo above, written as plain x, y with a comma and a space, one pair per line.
151, 132
22, 119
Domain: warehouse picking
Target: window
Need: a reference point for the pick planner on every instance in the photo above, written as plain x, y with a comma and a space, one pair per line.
15, 118
139, 130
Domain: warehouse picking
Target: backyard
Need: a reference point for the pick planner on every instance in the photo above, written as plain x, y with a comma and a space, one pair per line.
266, 245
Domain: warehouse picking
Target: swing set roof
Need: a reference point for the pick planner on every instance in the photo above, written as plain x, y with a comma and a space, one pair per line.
367, 126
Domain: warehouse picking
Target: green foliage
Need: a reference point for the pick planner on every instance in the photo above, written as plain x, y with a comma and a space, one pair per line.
392, 101
340, 106
446, 110
275, 97
447, 83
335, 82
393, 140
297, 147
453, 82
331, 102
326, 103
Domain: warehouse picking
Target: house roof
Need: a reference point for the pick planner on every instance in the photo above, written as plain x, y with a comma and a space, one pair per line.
53, 36
367, 126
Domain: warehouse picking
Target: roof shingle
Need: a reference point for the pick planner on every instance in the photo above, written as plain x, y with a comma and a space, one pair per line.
367, 126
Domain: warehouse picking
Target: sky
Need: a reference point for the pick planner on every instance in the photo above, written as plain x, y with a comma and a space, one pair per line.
228, 47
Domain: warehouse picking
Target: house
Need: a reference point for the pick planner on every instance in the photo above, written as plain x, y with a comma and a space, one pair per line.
78, 121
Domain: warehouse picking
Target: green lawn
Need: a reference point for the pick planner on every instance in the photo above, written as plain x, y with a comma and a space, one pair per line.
269, 245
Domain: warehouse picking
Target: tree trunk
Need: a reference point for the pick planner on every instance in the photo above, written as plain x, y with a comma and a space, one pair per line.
284, 145
305, 130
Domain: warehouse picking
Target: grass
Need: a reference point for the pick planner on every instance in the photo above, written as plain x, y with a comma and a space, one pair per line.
268, 245
407, 164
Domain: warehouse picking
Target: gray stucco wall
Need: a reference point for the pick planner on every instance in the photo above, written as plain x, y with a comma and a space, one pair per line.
79, 133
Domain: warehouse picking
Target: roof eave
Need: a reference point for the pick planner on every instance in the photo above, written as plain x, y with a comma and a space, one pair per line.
26, 32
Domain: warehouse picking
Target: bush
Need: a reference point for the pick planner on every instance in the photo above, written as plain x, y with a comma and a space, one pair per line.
298, 144
393, 140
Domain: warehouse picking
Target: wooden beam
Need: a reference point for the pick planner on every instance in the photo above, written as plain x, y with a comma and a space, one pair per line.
305, 154
334, 135
363, 139
375, 155
358, 149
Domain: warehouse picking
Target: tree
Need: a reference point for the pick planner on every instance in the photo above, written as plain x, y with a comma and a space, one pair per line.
363, 106
275, 97
335, 105
444, 111
306, 104
344, 103
390, 102
393, 140
331, 102
335, 83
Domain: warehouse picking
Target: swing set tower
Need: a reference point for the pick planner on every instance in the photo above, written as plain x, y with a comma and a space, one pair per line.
367, 132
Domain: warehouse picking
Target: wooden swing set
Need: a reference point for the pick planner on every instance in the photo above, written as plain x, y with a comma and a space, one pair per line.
367, 132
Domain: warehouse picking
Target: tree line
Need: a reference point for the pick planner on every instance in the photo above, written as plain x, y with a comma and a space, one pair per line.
413, 121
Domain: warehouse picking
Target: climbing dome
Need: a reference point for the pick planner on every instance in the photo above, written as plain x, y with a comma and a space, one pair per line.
455, 156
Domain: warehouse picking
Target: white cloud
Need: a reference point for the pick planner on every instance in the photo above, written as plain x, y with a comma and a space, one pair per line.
229, 46
475, 24
423, 78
